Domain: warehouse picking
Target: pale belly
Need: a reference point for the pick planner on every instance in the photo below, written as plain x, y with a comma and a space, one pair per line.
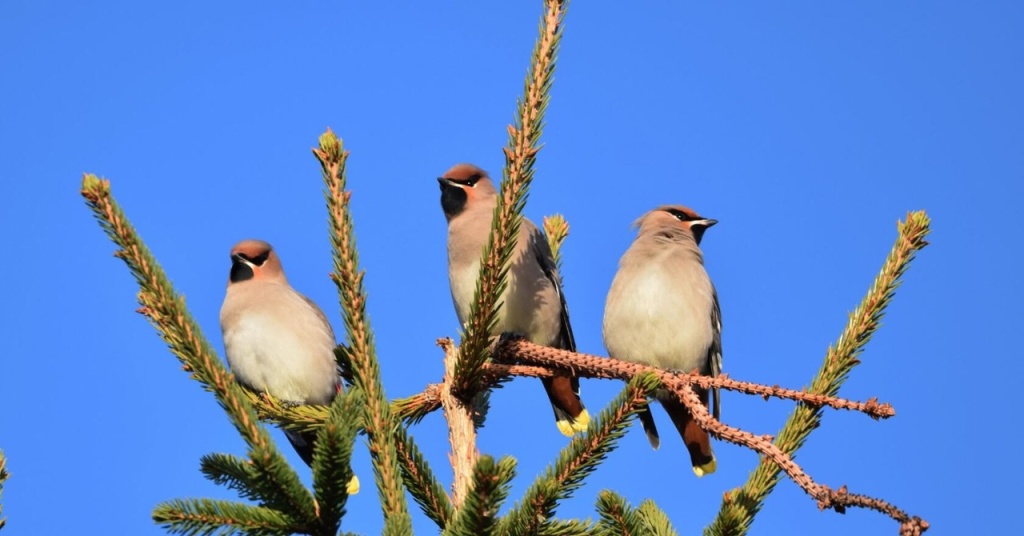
296, 367
651, 325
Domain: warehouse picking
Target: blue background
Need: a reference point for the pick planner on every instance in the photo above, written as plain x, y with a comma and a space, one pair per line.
807, 129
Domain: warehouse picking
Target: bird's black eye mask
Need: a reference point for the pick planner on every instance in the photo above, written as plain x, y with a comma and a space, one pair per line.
680, 215
258, 260
468, 181
697, 223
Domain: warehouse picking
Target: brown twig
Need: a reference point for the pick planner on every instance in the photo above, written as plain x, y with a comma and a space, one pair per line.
417, 406
825, 496
515, 349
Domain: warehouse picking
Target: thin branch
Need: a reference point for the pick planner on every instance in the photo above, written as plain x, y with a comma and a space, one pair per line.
421, 482
741, 505
557, 230
617, 516
489, 488
584, 365
543, 361
826, 497
578, 459
656, 521
348, 277
332, 470
207, 516
414, 408
166, 311
520, 156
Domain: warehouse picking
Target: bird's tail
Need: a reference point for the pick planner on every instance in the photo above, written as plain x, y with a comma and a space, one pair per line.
647, 420
303, 443
696, 439
564, 393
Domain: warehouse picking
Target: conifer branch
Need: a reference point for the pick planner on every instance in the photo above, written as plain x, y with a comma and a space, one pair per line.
578, 460
617, 516
414, 408
233, 473
310, 417
556, 229
570, 527
421, 482
740, 506
417, 475
656, 521
458, 413
489, 488
166, 311
207, 517
332, 459
4, 475
520, 156
297, 418
379, 421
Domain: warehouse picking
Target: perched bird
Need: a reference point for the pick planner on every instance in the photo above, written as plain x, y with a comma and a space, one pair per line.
662, 310
277, 341
533, 303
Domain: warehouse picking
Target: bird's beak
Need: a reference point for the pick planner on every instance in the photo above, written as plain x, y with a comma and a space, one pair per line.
706, 222
444, 182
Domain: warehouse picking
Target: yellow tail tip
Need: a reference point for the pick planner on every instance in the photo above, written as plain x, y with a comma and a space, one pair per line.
571, 428
353, 485
706, 469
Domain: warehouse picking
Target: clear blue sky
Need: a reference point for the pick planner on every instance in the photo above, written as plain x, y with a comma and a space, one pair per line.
806, 129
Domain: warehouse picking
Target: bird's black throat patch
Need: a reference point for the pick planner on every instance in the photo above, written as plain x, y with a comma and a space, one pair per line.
698, 232
240, 271
453, 200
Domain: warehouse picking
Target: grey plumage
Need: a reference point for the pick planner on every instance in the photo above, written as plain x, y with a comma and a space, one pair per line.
662, 310
533, 303
276, 340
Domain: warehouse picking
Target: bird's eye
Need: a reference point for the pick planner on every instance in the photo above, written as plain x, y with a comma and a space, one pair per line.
258, 260
469, 181
680, 215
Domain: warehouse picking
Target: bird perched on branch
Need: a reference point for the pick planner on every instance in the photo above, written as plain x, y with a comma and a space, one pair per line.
278, 341
533, 303
662, 310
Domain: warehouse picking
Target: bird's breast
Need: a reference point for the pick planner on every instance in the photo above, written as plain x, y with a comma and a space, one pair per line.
658, 318
280, 346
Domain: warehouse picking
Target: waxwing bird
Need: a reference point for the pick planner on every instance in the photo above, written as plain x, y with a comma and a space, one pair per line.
662, 310
277, 341
533, 303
